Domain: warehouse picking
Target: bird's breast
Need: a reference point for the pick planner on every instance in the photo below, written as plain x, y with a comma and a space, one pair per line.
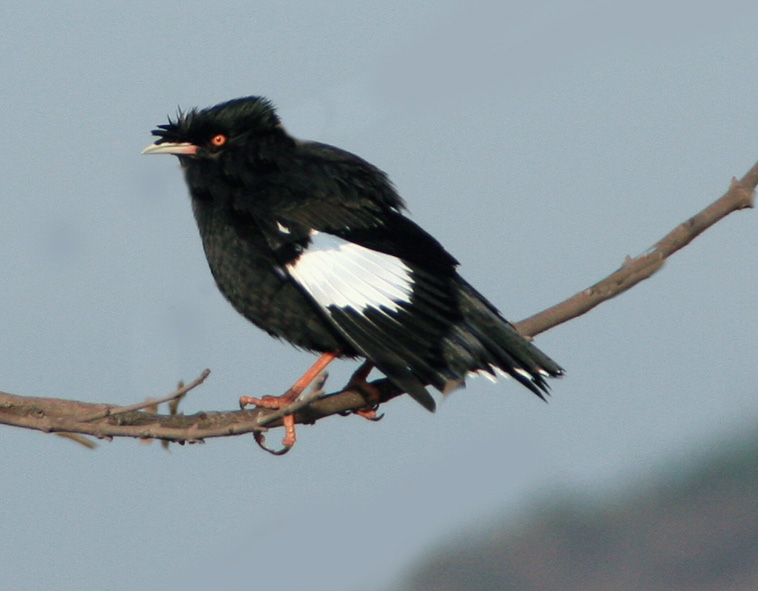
251, 277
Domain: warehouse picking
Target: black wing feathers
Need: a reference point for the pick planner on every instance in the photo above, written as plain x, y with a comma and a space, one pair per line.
445, 331
323, 188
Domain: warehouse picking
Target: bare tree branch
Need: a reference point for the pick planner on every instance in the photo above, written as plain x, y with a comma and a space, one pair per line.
741, 195
106, 421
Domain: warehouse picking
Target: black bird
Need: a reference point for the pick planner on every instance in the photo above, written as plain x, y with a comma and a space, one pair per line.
309, 242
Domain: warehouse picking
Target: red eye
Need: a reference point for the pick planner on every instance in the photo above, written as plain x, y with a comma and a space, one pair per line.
218, 140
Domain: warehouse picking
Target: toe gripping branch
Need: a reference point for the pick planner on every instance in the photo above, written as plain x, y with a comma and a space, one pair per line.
288, 403
285, 406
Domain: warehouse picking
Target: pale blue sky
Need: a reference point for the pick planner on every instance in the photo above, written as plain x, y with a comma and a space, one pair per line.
540, 142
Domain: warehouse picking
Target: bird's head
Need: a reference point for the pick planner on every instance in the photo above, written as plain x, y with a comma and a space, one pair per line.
247, 127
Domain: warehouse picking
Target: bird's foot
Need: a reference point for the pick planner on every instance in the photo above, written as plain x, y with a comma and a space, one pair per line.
286, 399
275, 403
371, 393
369, 413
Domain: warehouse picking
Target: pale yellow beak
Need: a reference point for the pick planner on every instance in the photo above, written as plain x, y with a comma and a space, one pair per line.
177, 149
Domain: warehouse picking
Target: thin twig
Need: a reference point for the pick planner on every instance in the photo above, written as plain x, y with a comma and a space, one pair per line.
80, 439
181, 391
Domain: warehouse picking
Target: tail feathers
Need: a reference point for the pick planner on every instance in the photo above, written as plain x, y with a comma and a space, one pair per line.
484, 342
402, 377
480, 341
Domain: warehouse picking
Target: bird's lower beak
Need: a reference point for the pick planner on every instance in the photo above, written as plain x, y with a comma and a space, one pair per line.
184, 148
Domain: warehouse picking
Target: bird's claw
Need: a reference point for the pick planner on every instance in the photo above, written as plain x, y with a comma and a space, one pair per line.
369, 413
260, 439
274, 402
370, 393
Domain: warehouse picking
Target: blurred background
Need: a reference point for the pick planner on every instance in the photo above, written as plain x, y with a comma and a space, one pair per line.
541, 142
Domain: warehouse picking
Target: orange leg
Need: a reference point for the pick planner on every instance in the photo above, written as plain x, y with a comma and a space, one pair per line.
358, 381
277, 402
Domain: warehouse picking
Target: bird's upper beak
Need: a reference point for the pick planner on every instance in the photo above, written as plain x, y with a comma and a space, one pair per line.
179, 149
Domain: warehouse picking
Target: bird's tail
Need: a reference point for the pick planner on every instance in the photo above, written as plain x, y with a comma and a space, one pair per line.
486, 343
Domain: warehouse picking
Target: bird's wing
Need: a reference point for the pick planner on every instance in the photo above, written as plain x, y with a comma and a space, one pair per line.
391, 309
319, 187
334, 223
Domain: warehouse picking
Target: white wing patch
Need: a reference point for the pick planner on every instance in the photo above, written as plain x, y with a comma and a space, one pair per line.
339, 273
499, 373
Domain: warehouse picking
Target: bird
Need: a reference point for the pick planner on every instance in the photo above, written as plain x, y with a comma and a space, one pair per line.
313, 244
